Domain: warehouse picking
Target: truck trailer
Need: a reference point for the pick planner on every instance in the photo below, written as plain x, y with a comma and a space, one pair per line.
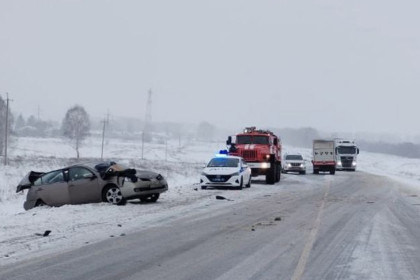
323, 156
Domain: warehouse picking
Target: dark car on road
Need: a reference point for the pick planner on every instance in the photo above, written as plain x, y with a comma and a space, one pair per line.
87, 183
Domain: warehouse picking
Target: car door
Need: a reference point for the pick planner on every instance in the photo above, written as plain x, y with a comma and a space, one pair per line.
52, 188
246, 170
83, 186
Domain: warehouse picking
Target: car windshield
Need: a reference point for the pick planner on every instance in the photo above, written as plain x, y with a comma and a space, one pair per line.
294, 157
223, 162
346, 150
248, 139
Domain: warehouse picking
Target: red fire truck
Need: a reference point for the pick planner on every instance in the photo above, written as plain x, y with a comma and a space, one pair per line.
261, 149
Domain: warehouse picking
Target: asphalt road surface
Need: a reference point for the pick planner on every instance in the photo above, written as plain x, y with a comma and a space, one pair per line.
346, 226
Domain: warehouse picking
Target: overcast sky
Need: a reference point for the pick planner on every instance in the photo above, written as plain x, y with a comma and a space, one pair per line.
333, 65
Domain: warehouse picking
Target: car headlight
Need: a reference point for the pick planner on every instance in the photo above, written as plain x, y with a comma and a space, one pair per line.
302, 165
354, 163
338, 162
264, 165
289, 165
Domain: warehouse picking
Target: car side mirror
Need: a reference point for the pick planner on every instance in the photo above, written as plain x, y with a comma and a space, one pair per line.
229, 140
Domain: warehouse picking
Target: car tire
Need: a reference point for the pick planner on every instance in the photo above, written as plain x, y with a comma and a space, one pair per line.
249, 183
112, 194
39, 203
150, 198
241, 183
270, 178
278, 172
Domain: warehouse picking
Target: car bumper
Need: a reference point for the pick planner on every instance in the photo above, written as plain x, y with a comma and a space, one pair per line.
29, 204
259, 165
233, 181
135, 190
294, 169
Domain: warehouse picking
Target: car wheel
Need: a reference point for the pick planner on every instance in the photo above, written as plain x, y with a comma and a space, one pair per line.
249, 183
270, 178
150, 198
241, 183
39, 203
112, 194
278, 172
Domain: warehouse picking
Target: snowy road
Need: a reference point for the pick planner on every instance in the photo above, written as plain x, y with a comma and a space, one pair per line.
347, 226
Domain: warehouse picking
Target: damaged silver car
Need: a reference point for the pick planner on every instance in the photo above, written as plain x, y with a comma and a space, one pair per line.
87, 183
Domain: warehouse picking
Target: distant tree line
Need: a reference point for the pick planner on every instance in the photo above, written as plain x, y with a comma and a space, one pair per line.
302, 137
297, 137
407, 149
76, 126
35, 127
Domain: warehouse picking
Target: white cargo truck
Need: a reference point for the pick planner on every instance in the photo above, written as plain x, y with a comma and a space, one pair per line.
346, 152
323, 156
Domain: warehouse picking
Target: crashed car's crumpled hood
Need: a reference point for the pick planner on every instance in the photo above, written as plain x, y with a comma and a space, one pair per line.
146, 175
28, 180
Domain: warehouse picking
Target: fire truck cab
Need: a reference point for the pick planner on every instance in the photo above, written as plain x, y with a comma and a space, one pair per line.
261, 149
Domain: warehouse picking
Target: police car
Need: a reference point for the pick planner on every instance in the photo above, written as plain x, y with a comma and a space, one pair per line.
226, 171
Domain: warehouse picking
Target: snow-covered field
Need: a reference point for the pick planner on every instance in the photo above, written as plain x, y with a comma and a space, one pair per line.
181, 163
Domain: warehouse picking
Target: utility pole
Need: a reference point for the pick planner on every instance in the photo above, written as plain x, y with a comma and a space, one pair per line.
166, 148
146, 134
142, 145
148, 117
105, 122
6, 132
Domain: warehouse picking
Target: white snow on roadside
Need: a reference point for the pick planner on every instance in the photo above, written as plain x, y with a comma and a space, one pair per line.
76, 225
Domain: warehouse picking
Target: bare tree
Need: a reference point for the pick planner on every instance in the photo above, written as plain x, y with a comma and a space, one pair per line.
76, 126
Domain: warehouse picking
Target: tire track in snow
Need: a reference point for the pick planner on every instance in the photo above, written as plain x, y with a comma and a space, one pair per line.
300, 268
